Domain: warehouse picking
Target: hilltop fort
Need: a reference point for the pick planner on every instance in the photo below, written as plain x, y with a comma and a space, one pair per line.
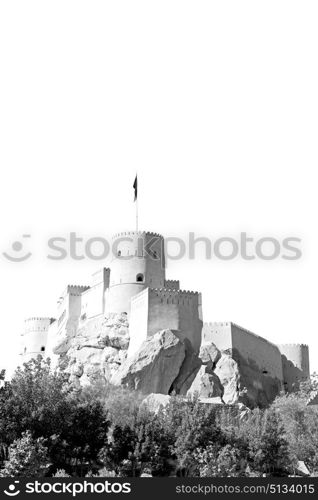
137, 328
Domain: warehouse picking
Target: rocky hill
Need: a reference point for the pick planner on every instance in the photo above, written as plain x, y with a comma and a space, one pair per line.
164, 364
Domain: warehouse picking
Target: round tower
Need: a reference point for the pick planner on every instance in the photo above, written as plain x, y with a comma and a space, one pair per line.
34, 337
138, 262
295, 361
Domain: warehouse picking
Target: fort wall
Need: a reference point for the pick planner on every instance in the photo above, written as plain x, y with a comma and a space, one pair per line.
159, 309
254, 349
93, 299
69, 306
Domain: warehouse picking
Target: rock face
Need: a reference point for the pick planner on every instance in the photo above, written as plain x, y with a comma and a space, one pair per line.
206, 385
188, 370
227, 372
155, 366
209, 355
97, 349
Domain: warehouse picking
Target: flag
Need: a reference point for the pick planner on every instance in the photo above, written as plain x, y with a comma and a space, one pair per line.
135, 186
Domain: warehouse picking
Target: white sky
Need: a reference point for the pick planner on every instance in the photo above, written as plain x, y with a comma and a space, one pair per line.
215, 104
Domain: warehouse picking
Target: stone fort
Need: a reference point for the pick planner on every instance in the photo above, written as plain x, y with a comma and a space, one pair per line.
135, 283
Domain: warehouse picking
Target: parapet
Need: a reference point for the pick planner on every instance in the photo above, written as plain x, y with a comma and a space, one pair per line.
37, 324
172, 284
165, 292
73, 290
231, 324
293, 346
136, 233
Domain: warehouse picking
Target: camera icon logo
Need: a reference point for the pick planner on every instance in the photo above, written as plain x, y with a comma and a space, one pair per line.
13, 492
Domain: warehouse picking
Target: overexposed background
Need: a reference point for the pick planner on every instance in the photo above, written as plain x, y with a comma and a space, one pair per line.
214, 102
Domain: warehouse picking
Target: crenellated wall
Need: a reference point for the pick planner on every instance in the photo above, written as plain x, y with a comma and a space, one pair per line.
172, 284
159, 309
254, 349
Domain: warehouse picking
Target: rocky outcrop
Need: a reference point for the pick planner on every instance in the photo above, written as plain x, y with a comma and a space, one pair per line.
206, 385
228, 374
155, 366
97, 349
188, 370
209, 355
164, 364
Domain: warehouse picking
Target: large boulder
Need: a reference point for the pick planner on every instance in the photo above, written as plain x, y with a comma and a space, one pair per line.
228, 373
188, 370
206, 385
155, 366
209, 355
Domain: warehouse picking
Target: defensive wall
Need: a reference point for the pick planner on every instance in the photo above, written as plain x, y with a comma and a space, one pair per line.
93, 299
254, 349
158, 309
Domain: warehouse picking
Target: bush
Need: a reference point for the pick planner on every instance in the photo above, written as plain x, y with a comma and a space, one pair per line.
28, 458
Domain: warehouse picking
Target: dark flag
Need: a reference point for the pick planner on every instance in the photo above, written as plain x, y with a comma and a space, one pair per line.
135, 186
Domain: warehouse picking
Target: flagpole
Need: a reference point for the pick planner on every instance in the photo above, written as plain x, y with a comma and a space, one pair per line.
137, 214
135, 186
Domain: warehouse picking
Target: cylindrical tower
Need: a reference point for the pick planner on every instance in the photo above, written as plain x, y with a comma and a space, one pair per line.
138, 262
34, 337
295, 361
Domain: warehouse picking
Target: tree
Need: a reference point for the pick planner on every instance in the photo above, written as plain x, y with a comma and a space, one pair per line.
81, 440
192, 425
28, 458
267, 444
300, 424
36, 399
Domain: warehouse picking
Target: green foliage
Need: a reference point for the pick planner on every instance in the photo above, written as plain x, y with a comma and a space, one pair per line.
36, 399
268, 449
28, 458
214, 461
121, 404
101, 431
191, 425
61, 473
300, 425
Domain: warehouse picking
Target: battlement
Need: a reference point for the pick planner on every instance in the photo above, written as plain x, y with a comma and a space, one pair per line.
172, 284
137, 233
39, 318
231, 325
217, 323
164, 292
37, 324
294, 345
75, 290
